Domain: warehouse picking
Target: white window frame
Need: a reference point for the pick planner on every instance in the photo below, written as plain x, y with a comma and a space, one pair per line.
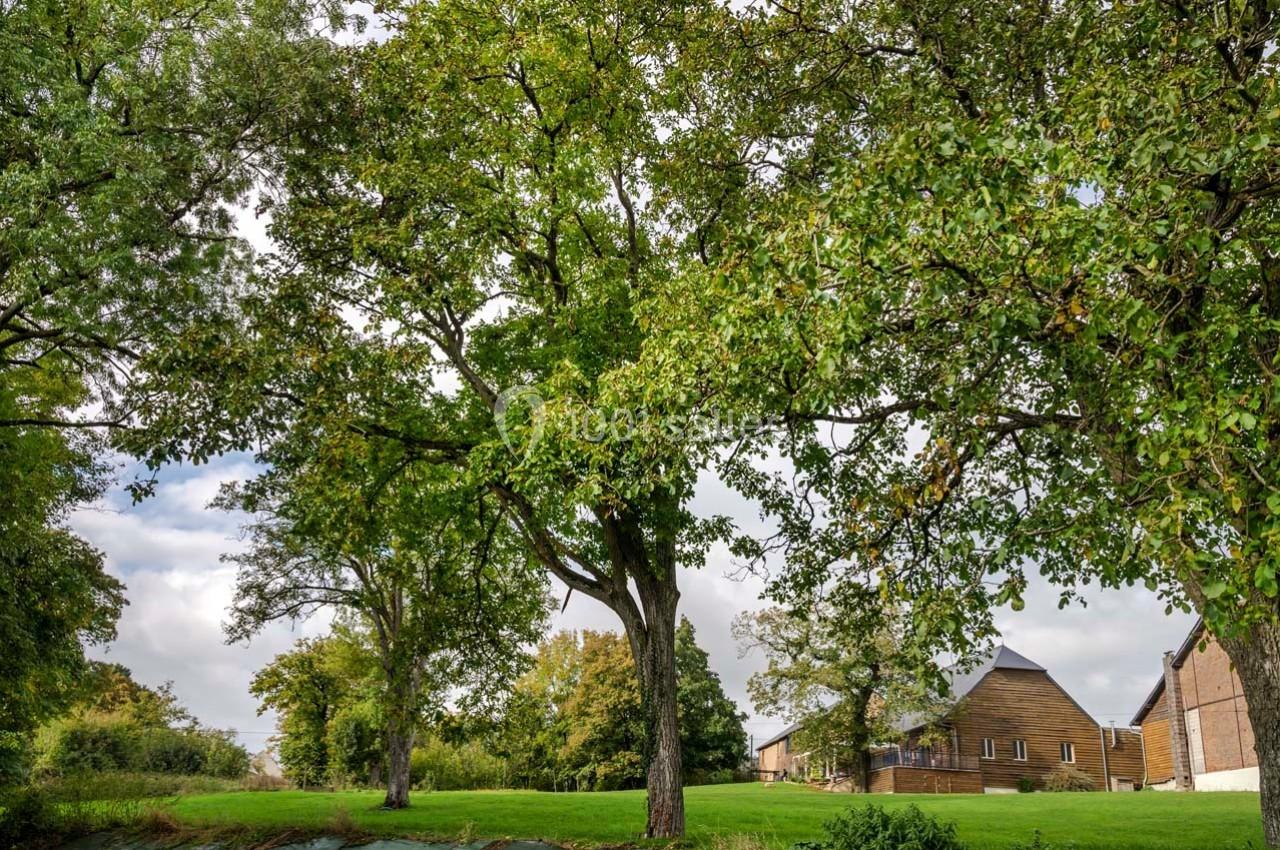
1067, 752
989, 748
1019, 749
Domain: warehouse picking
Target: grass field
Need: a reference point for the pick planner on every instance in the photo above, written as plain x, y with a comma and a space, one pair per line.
778, 816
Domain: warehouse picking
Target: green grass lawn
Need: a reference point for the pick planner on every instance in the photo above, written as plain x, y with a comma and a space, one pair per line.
778, 816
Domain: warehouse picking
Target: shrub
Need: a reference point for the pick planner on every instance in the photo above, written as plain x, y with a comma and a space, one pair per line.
109, 743
1067, 777
1026, 785
223, 757
15, 758
438, 765
354, 743
25, 814
168, 751
94, 743
874, 828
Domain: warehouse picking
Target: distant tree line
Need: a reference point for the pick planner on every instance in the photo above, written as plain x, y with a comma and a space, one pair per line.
571, 722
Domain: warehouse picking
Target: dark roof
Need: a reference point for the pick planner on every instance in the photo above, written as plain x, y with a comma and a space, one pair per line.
785, 733
1193, 637
963, 681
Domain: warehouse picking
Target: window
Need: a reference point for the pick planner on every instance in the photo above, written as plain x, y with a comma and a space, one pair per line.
1019, 749
1068, 751
988, 748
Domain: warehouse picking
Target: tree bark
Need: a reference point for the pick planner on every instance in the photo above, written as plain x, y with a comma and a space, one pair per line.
1256, 656
399, 750
657, 666
401, 730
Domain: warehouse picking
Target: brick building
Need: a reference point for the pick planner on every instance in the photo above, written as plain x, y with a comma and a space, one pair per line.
1195, 723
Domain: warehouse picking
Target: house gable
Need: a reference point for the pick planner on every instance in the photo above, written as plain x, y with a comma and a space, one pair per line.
1019, 705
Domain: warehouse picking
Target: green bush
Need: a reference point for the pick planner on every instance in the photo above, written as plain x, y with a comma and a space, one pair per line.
94, 743
1067, 777
1026, 785
167, 751
25, 814
223, 757
437, 765
109, 744
16, 757
874, 828
354, 743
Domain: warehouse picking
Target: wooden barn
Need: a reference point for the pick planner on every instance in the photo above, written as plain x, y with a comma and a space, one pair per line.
1010, 723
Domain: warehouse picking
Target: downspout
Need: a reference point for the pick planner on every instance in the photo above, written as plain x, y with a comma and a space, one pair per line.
1106, 770
1142, 741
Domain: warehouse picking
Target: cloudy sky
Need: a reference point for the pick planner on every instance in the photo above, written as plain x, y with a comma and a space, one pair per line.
167, 550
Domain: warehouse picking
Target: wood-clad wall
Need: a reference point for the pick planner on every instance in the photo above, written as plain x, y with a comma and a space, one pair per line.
1159, 744
1124, 757
923, 780
775, 757
1026, 705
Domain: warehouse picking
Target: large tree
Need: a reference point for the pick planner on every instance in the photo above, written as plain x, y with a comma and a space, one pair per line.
126, 129
465, 235
55, 595
1037, 308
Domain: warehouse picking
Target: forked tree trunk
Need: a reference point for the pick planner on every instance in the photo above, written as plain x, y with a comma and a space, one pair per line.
1256, 656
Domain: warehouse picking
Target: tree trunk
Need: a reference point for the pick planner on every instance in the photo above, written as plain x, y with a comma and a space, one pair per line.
864, 770
399, 750
1256, 656
402, 691
654, 648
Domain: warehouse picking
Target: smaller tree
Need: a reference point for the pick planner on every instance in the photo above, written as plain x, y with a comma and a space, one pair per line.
842, 670
435, 571
604, 717
711, 733
308, 687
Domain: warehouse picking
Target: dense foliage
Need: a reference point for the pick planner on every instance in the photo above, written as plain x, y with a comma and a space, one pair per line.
325, 694
119, 725
127, 129
571, 722
876, 828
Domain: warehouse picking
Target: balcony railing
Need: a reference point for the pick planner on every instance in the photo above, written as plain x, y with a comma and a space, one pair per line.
923, 758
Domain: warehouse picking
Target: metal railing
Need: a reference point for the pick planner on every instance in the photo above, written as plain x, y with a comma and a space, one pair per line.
923, 757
